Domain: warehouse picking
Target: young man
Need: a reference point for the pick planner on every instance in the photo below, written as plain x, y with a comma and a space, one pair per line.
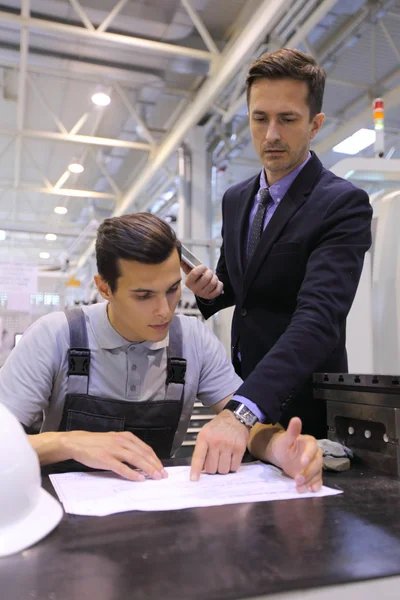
294, 239
116, 381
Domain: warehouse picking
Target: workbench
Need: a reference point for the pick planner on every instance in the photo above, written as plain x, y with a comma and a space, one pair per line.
225, 552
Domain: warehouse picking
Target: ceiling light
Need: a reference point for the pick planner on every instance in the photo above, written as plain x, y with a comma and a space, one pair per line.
44, 255
355, 143
101, 99
75, 168
168, 195
51, 237
2, 235
61, 210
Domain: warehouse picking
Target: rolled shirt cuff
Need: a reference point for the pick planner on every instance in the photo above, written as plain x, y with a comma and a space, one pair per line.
251, 406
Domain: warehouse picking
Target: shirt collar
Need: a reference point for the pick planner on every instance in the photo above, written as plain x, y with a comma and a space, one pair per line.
107, 337
279, 189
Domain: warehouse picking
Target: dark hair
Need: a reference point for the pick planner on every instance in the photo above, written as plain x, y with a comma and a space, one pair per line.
290, 64
139, 236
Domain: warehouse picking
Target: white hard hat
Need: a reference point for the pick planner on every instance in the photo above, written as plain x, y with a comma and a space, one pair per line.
27, 512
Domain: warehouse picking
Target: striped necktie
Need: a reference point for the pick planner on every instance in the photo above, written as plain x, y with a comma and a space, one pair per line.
265, 200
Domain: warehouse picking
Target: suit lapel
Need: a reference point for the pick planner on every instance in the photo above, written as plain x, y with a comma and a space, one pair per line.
244, 204
288, 206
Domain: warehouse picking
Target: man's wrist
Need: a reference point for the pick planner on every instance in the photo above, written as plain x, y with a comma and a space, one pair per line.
251, 406
205, 301
241, 413
231, 415
270, 456
262, 441
51, 446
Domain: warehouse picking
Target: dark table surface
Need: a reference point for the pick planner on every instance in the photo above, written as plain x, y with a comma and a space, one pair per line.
223, 552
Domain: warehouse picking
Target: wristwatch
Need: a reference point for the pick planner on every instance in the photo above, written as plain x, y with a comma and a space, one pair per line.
241, 412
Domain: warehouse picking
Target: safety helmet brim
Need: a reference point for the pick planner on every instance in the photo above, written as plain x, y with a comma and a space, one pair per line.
38, 523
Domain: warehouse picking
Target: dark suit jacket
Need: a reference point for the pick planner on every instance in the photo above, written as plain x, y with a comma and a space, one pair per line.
292, 300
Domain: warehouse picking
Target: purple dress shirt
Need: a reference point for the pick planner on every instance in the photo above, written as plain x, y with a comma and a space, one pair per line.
277, 191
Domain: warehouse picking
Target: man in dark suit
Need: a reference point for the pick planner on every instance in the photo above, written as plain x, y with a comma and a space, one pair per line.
294, 239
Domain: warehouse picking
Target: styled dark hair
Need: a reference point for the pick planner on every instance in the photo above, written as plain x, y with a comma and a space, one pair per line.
290, 64
139, 236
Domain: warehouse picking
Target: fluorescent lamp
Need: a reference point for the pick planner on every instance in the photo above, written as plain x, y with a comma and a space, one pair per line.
44, 255
51, 237
75, 168
101, 99
355, 143
61, 210
2, 235
168, 195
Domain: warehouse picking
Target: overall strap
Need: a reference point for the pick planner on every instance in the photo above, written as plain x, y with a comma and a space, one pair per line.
176, 365
78, 353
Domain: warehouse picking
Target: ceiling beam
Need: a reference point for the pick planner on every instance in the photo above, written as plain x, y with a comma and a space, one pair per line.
104, 36
82, 15
367, 14
234, 54
57, 191
47, 109
390, 40
71, 75
35, 228
77, 139
111, 16
201, 28
98, 117
170, 181
134, 113
353, 84
255, 30
69, 192
300, 34
46, 181
21, 100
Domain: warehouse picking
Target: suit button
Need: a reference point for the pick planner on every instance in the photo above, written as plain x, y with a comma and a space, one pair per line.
243, 312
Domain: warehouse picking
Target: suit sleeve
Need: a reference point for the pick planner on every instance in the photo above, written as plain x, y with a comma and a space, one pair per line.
210, 307
324, 300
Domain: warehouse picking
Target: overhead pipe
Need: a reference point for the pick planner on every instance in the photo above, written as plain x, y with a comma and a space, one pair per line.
184, 192
57, 136
104, 36
258, 26
301, 32
226, 66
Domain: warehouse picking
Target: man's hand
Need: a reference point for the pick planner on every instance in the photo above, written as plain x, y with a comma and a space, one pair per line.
298, 455
202, 281
220, 446
111, 450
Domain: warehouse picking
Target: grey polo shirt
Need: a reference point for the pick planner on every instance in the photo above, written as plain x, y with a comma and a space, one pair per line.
33, 380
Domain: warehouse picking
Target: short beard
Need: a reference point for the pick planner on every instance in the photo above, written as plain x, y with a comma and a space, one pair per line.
289, 166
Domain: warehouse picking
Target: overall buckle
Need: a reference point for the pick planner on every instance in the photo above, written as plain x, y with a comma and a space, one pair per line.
78, 361
176, 370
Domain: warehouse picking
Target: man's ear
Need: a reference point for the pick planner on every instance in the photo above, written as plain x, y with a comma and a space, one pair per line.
103, 287
316, 124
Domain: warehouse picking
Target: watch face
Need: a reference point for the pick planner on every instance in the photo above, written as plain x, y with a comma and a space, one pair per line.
246, 415
242, 413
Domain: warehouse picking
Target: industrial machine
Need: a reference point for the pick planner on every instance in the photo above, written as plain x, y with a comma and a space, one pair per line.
363, 413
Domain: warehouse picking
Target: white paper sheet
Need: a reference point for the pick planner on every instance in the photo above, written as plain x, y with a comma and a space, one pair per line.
104, 493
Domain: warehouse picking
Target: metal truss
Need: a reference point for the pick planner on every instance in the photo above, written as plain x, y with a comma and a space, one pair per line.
25, 79
90, 32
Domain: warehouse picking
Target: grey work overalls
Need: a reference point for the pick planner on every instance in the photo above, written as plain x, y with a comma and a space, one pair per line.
155, 422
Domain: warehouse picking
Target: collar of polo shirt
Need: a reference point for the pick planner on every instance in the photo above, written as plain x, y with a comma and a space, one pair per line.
108, 338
